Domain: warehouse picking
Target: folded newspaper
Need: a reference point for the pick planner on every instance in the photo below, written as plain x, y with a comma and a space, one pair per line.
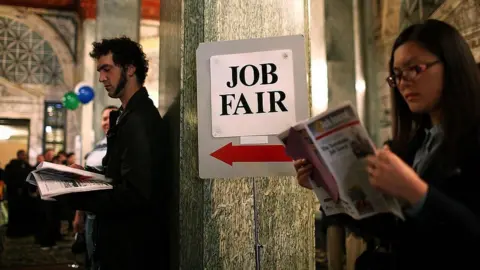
336, 144
55, 179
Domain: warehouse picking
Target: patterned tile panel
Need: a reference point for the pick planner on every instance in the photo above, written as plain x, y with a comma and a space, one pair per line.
66, 26
465, 17
25, 57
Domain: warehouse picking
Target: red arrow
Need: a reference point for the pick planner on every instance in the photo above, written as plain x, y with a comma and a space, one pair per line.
251, 153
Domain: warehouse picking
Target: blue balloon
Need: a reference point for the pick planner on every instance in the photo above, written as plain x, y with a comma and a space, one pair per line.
85, 94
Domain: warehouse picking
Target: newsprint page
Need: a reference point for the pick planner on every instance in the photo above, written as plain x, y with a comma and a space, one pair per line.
55, 179
336, 144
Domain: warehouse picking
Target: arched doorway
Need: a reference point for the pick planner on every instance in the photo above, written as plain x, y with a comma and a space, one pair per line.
36, 65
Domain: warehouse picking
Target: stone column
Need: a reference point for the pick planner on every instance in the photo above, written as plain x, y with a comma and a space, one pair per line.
372, 63
340, 51
390, 17
114, 18
214, 218
88, 76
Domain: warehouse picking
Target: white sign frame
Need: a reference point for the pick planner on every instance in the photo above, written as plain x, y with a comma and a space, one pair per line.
211, 167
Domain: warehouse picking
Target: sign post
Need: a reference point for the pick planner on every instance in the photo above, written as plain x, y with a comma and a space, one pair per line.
258, 246
248, 91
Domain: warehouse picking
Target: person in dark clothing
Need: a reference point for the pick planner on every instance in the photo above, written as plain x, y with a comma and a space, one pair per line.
57, 208
20, 203
84, 221
2, 184
40, 159
48, 231
62, 157
70, 158
432, 162
128, 230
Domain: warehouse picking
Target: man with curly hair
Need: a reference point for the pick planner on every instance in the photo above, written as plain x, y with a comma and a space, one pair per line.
130, 219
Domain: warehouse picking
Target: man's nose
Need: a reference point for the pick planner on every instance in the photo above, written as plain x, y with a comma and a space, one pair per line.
102, 78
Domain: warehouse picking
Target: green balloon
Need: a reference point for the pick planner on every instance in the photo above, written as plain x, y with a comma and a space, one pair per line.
70, 101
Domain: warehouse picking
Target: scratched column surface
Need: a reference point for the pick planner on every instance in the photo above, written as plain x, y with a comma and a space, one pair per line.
114, 18
341, 87
215, 217
340, 51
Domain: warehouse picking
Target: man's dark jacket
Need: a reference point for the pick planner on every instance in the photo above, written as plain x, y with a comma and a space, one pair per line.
130, 218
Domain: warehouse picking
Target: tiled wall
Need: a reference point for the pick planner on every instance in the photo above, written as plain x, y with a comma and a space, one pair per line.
37, 63
464, 15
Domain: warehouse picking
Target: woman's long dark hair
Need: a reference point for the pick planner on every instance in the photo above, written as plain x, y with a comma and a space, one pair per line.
460, 100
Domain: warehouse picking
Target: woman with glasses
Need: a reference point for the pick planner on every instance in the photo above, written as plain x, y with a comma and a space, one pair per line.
433, 163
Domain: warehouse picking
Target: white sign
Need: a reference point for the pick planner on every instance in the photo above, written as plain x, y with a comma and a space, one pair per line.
249, 152
252, 94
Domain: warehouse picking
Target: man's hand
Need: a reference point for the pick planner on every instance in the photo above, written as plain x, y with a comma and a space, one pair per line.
76, 166
79, 222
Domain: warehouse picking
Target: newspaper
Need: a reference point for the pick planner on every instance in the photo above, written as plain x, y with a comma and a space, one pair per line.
55, 179
336, 144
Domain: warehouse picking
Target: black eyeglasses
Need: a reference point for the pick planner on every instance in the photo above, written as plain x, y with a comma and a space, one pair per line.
409, 73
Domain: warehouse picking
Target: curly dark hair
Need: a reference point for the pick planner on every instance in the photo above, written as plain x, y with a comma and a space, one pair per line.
124, 52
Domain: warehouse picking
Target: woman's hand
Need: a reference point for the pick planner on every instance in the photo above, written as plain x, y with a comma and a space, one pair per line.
388, 173
304, 169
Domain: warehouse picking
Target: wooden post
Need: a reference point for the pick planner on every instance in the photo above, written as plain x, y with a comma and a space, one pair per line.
335, 247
